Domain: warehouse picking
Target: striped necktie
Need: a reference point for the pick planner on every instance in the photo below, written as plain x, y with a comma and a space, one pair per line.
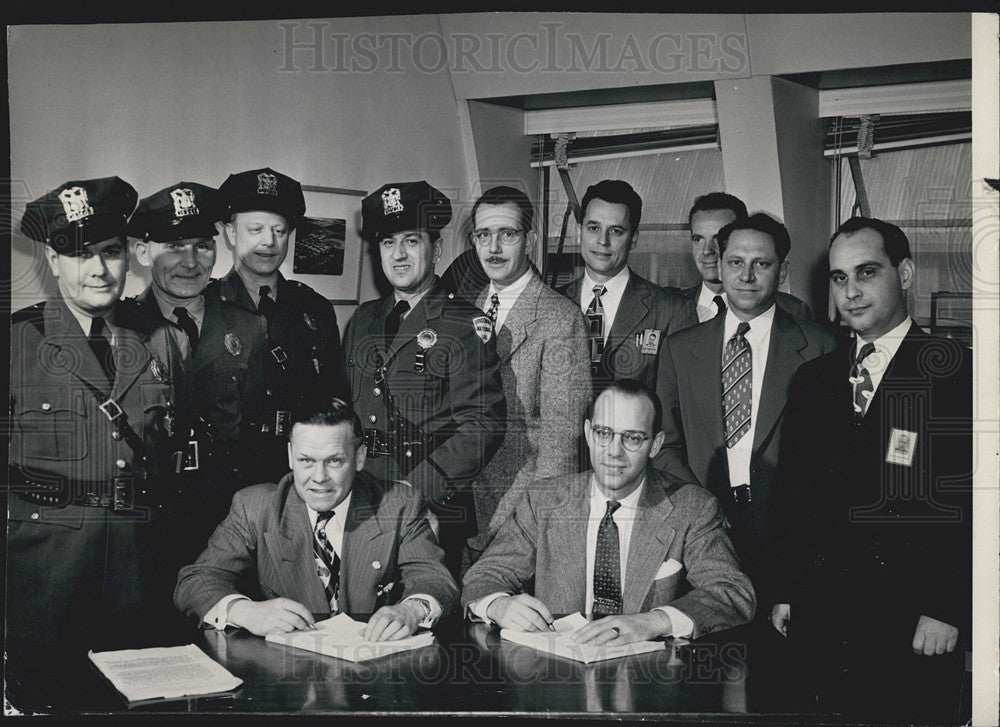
736, 385
327, 560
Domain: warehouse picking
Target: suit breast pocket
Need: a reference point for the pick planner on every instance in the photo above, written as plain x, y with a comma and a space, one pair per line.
50, 424
418, 394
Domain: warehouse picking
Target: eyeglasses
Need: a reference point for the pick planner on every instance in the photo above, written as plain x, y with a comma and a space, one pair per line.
506, 235
631, 440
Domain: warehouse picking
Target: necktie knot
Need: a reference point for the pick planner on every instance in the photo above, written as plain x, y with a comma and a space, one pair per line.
494, 307
611, 508
187, 324
867, 350
266, 304
743, 328
322, 518
720, 305
96, 326
599, 291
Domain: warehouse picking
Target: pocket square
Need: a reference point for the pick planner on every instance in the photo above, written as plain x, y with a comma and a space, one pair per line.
668, 568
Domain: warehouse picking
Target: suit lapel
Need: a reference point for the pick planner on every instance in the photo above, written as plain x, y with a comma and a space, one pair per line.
292, 545
520, 320
358, 579
704, 370
650, 542
901, 368
783, 359
631, 311
567, 530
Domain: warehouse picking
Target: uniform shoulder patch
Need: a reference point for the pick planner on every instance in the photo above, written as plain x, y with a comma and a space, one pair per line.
483, 327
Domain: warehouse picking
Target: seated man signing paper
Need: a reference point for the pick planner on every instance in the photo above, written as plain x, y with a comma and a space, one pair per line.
645, 553
326, 538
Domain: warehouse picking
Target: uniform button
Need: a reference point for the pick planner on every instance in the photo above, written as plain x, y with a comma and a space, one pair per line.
34, 516
116, 435
120, 464
377, 391
46, 406
268, 392
409, 453
372, 418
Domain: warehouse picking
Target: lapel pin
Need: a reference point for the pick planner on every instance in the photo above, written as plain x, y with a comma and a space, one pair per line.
377, 565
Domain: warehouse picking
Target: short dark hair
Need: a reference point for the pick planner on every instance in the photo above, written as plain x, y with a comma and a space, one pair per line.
634, 388
718, 201
615, 191
894, 241
506, 195
759, 222
328, 413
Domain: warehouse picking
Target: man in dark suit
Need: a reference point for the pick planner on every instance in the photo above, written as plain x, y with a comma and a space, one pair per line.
645, 553
221, 346
628, 316
303, 355
709, 214
872, 509
734, 459
422, 366
327, 538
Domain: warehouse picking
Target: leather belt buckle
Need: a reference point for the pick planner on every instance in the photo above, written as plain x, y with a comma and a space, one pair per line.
111, 409
124, 494
741, 494
192, 458
279, 354
282, 418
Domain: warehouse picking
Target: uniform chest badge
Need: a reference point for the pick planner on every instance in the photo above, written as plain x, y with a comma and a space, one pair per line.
309, 321
426, 338
158, 369
484, 327
233, 344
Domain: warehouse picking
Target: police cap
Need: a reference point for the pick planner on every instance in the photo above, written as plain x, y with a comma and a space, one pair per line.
182, 211
266, 190
404, 206
79, 212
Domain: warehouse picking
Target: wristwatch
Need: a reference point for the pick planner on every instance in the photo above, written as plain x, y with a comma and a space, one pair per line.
426, 606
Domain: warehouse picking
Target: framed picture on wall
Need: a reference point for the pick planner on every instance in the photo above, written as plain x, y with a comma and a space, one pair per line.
326, 250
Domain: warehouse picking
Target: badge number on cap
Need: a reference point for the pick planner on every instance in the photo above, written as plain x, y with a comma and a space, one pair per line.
391, 202
184, 205
75, 203
267, 184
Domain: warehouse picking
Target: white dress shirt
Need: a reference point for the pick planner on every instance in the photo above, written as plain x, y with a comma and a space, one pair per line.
614, 289
705, 304
217, 616
681, 624
507, 297
759, 338
885, 348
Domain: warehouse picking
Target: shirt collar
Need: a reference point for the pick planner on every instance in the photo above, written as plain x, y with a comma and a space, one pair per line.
415, 300
615, 285
512, 291
85, 320
340, 511
194, 307
759, 326
889, 342
631, 500
706, 298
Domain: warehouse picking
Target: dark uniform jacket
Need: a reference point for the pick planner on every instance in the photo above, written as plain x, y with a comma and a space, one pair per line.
864, 546
73, 563
644, 305
443, 378
302, 362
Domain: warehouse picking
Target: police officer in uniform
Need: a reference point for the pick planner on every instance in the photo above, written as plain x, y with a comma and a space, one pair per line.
91, 406
222, 351
422, 366
303, 358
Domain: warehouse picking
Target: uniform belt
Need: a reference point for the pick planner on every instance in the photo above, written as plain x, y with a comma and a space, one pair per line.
740, 494
117, 494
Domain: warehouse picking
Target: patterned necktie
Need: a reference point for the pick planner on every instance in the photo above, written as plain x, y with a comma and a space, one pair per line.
736, 385
266, 304
392, 321
595, 319
327, 560
720, 305
101, 347
607, 566
861, 381
187, 324
492, 312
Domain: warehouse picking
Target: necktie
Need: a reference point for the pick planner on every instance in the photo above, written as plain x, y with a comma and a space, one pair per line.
861, 381
266, 304
101, 347
492, 312
595, 319
720, 305
187, 324
327, 560
392, 321
736, 385
607, 566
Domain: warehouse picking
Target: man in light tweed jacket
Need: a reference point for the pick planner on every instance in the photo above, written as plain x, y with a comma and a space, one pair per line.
542, 346
327, 537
